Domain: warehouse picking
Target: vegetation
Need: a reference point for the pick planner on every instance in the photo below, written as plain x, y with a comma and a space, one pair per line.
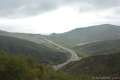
98, 48
41, 53
101, 66
19, 68
36, 38
23, 68
30, 56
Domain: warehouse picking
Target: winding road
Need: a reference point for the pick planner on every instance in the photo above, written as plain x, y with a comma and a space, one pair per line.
73, 56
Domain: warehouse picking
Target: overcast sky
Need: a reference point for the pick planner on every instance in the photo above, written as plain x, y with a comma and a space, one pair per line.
49, 16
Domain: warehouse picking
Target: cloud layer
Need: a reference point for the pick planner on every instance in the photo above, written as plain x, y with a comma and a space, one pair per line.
48, 16
22, 8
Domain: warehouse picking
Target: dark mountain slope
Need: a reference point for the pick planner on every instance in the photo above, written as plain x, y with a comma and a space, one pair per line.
37, 51
23, 68
96, 66
98, 48
87, 35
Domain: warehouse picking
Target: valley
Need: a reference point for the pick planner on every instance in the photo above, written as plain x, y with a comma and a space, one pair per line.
59, 39
79, 54
41, 40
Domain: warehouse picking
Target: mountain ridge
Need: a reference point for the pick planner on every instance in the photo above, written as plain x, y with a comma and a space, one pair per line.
98, 48
95, 66
87, 35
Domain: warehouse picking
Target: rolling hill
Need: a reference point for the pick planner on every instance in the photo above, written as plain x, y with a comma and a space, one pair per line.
42, 40
38, 52
100, 66
36, 38
81, 36
98, 48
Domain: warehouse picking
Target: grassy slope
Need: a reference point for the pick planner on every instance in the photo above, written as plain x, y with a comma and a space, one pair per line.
95, 66
98, 48
23, 68
37, 51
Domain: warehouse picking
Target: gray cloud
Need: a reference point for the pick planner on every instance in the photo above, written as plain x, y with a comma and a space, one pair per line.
104, 3
88, 5
25, 7
117, 11
17, 8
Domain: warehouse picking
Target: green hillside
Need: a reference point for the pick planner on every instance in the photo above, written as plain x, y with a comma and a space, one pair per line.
23, 68
39, 52
98, 48
102, 66
85, 35
26, 56
36, 38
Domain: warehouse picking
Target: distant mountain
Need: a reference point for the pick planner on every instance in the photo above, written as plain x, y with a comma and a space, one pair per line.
36, 51
98, 48
89, 34
36, 38
94, 67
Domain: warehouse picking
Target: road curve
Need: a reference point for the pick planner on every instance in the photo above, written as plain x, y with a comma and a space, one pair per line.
73, 56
